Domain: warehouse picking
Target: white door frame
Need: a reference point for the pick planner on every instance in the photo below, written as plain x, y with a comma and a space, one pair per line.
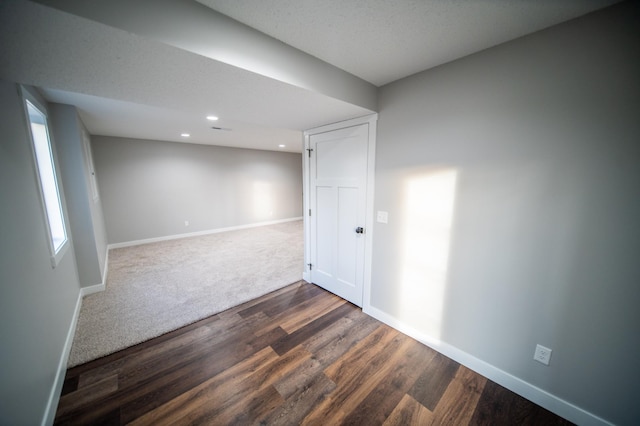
371, 120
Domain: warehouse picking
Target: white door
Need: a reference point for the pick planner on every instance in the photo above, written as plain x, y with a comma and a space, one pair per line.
338, 191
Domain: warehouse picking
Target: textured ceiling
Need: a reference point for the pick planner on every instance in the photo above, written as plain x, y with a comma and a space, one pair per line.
127, 85
147, 81
110, 117
381, 41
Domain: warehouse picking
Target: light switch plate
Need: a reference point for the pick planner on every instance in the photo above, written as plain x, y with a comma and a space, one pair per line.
383, 217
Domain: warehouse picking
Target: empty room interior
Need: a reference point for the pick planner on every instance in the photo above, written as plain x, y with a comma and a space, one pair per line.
460, 180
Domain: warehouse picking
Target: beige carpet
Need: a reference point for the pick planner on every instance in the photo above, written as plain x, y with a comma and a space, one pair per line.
155, 288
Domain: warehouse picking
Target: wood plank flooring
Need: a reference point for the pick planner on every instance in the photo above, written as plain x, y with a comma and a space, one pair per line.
299, 355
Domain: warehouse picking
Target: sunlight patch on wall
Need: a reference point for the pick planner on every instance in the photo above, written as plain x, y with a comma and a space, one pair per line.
429, 200
263, 204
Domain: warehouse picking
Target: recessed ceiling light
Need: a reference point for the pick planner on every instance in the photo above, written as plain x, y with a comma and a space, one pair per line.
212, 118
281, 145
185, 135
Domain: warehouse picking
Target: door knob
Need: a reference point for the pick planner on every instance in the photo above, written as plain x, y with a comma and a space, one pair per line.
359, 230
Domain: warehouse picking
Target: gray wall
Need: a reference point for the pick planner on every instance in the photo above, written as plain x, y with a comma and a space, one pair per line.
150, 188
36, 301
540, 139
85, 213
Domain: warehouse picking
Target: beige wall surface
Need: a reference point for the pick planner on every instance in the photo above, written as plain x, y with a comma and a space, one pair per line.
150, 188
36, 301
512, 178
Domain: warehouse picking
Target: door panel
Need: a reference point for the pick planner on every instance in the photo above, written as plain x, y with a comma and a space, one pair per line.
347, 244
325, 223
338, 182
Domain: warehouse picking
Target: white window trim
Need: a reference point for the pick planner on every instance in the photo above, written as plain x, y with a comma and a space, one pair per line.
56, 256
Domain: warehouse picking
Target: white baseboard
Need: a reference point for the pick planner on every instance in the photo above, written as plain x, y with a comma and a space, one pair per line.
84, 291
54, 396
306, 276
199, 233
97, 288
539, 396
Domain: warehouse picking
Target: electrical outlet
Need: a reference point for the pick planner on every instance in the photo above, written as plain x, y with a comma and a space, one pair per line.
542, 354
186, 223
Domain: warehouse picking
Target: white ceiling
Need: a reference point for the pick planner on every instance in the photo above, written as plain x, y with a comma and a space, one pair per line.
132, 84
382, 41
110, 117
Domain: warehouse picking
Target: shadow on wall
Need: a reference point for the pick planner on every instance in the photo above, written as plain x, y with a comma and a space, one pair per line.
429, 208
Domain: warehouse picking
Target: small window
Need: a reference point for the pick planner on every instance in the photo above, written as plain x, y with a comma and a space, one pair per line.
46, 172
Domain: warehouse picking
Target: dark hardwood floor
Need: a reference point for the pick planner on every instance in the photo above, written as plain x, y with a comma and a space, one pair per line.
299, 355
